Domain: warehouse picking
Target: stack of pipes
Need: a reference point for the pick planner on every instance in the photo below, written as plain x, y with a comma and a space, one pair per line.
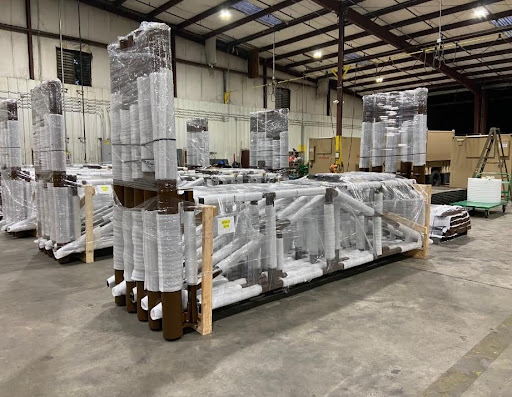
56, 201
60, 189
292, 232
148, 256
17, 182
394, 131
224, 176
198, 144
269, 139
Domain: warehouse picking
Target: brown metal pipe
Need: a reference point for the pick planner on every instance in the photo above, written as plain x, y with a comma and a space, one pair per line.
172, 315
142, 315
28, 21
131, 307
153, 300
119, 277
192, 310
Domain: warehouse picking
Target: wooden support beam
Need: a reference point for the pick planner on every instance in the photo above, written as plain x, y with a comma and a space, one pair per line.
204, 326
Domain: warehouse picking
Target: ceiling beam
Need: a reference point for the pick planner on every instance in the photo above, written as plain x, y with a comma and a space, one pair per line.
371, 84
363, 78
250, 18
373, 66
332, 5
139, 17
366, 47
207, 13
417, 34
404, 86
118, 3
400, 43
164, 7
449, 11
281, 26
330, 28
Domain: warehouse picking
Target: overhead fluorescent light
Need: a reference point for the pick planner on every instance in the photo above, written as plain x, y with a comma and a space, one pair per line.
225, 14
317, 54
379, 80
481, 12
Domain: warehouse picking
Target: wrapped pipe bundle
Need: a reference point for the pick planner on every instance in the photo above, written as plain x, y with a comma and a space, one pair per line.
198, 144
50, 165
269, 139
394, 130
17, 182
296, 231
144, 149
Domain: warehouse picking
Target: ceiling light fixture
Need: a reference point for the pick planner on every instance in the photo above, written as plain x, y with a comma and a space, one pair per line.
379, 79
317, 54
225, 14
481, 12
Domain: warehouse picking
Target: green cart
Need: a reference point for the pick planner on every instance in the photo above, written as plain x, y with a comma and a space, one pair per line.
487, 207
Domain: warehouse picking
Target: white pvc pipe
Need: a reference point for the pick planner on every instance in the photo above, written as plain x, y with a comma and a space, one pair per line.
329, 231
144, 303
191, 267
119, 289
377, 224
111, 282
156, 312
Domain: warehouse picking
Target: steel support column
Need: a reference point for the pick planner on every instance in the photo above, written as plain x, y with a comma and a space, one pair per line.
265, 88
341, 56
28, 20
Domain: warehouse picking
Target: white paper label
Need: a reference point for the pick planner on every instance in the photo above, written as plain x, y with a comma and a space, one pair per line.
226, 224
104, 189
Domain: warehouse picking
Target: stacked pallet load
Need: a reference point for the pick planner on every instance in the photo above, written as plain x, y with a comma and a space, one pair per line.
198, 143
17, 181
61, 197
394, 132
269, 139
147, 245
175, 259
448, 222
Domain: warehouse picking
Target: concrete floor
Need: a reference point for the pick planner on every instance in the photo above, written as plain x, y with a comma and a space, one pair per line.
441, 326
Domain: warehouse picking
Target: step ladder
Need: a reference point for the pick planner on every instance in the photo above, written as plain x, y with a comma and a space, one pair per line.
494, 141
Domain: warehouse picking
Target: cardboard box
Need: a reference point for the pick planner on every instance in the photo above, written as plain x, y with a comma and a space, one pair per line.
466, 151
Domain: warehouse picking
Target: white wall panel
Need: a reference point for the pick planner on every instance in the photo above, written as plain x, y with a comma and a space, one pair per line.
200, 89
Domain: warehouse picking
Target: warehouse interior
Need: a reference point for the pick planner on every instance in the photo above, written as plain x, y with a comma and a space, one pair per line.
294, 197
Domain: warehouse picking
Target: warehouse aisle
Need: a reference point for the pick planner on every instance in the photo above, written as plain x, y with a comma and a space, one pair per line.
410, 327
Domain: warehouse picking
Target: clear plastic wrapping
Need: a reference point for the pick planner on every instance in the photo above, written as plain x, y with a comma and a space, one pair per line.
269, 139
147, 240
142, 104
198, 144
394, 129
17, 182
269, 236
448, 221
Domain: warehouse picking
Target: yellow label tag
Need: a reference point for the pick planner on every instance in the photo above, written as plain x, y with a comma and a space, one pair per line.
226, 224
